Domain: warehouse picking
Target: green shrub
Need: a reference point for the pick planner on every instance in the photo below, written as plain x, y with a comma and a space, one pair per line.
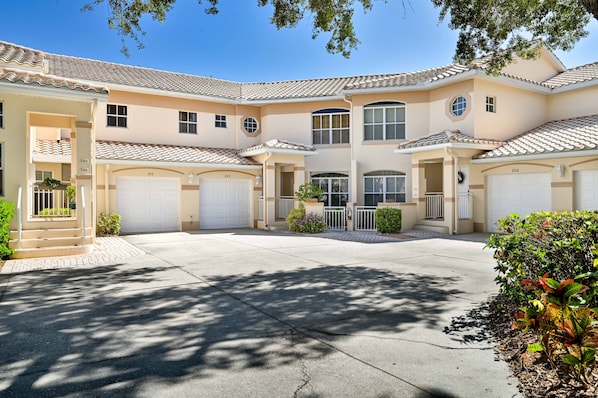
388, 220
561, 244
301, 222
109, 224
7, 210
57, 211
309, 191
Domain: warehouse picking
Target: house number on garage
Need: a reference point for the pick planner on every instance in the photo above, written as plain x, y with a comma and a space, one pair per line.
150, 174
514, 170
227, 176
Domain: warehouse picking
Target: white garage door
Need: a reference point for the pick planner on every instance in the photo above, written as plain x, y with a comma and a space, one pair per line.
148, 204
517, 193
224, 203
586, 190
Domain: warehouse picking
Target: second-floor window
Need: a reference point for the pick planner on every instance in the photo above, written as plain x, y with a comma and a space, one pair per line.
220, 121
384, 121
187, 122
330, 126
1, 115
383, 186
491, 104
116, 115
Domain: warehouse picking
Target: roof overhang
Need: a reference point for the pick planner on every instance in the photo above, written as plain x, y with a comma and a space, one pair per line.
262, 151
51, 92
451, 145
537, 156
154, 163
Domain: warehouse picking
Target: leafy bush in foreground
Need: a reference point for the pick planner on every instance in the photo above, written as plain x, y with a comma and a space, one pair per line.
562, 244
7, 210
388, 220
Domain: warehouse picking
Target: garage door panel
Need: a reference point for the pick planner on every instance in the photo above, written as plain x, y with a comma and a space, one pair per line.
224, 203
517, 193
148, 204
586, 190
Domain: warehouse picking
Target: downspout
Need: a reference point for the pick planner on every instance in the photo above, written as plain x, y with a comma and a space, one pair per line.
455, 220
353, 170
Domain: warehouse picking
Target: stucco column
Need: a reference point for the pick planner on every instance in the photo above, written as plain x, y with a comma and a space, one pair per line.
298, 180
418, 188
270, 195
449, 184
83, 165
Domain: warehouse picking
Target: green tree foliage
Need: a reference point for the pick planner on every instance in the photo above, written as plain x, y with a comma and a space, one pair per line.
485, 26
491, 27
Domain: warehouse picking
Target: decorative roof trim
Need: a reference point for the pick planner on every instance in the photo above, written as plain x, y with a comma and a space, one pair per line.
453, 145
279, 146
537, 156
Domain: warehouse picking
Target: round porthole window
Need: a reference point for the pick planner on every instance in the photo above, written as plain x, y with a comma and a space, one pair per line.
458, 106
250, 125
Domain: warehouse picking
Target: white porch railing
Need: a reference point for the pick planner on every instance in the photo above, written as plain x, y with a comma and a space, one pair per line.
20, 217
49, 202
335, 218
365, 218
434, 205
465, 204
285, 205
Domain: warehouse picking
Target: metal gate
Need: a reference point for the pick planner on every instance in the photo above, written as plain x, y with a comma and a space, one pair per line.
365, 218
335, 218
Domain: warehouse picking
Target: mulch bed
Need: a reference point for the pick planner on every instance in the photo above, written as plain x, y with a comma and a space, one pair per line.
537, 376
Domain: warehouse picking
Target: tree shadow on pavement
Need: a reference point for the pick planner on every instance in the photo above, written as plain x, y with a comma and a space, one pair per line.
110, 330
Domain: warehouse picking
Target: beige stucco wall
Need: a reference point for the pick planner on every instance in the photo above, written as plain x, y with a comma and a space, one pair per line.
517, 110
573, 103
539, 69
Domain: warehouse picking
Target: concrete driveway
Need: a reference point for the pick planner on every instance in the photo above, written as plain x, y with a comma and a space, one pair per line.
254, 314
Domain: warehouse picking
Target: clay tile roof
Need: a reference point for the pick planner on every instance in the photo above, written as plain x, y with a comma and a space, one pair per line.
111, 73
446, 137
277, 145
13, 54
560, 136
112, 150
408, 79
572, 76
30, 78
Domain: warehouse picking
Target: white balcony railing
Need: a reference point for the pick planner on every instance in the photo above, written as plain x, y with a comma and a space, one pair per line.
434, 205
49, 202
365, 218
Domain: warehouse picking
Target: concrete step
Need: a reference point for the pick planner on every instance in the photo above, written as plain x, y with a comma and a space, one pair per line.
59, 241
432, 228
44, 233
52, 251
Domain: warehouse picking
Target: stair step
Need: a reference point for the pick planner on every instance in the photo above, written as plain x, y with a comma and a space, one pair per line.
56, 251
49, 233
60, 241
432, 228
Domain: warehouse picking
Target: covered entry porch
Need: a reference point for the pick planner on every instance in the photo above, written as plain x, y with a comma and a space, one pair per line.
440, 180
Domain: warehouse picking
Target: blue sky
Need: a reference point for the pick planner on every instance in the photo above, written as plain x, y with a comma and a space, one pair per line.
240, 44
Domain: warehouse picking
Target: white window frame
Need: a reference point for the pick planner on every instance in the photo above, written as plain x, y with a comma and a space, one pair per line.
187, 122
379, 122
380, 183
323, 127
250, 125
333, 181
120, 119
220, 121
459, 106
490, 104
43, 174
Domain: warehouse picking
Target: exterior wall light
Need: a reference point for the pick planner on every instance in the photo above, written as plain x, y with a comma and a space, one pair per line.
560, 169
191, 177
258, 180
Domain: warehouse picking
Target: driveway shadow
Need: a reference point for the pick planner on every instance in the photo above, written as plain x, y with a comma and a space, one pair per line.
110, 330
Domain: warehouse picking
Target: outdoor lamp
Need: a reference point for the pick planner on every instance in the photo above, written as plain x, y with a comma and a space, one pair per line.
258, 180
560, 169
190, 176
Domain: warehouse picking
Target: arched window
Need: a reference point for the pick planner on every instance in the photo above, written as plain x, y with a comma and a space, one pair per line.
330, 126
335, 187
383, 186
384, 121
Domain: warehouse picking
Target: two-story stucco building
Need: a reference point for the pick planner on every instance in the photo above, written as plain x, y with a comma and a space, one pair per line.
454, 147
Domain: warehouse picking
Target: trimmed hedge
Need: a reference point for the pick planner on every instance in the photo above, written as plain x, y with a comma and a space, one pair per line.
109, 224
388, 220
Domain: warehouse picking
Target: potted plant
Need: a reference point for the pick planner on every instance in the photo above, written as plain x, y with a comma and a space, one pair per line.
71, 195
50, 183
309, 192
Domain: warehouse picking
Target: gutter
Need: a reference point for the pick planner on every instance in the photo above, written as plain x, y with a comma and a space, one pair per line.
539, 156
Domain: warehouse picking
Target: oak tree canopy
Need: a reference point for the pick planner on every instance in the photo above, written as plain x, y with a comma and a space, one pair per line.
486, 27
